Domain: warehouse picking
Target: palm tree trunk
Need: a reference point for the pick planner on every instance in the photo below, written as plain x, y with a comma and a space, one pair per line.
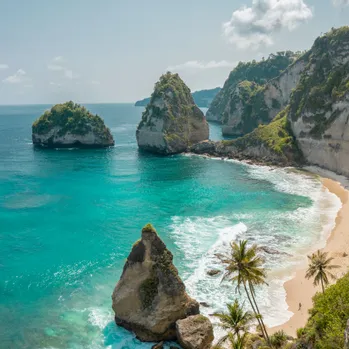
322, 285
255, 312
255, 303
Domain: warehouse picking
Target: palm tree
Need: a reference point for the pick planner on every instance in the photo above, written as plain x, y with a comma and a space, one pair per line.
236, 320
319, 267
238, 342
244, 267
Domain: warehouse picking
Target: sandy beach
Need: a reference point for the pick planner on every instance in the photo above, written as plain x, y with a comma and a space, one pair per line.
301, 290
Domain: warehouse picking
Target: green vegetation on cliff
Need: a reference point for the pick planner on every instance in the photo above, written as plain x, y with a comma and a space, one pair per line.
328, 318
277, 137
202, 98
243, 92
70, 117
325, 81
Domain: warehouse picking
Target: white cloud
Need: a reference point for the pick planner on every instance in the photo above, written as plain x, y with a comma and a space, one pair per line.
95, 82
58, 59
340, 2
18, 77
251, 27
55, 67
192, 65
55, 84
3, 66
70, 75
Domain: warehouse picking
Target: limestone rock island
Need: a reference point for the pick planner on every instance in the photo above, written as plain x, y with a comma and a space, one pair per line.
150, 296
70, 125
171, 121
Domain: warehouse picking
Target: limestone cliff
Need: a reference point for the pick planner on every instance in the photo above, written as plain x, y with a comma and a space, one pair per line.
70, 125
171, 122
319, 107
272, 144
150, 296
252, 104
241, 105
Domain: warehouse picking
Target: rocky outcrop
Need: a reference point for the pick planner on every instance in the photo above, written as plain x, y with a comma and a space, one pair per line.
195, 332
171, 122
252, 105
271, 144
244, 90
150, 296
319, 107
70, 125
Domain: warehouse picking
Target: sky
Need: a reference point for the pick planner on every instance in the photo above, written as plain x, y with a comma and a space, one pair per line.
109, 51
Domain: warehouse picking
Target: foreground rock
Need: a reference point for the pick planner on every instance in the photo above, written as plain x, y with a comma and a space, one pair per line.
70, 125
150, 296
195, 332
171, 122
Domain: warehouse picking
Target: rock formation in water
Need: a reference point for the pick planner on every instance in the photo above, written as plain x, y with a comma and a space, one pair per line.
195, 332
150, 296
255, 92
171, 121
202, 98
70, 125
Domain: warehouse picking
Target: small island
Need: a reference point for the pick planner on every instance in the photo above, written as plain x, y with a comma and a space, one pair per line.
171, 122
70, 125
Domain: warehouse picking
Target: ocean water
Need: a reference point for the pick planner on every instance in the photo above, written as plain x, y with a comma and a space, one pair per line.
68, 219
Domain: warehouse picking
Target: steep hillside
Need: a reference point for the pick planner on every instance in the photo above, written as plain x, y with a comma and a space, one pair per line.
234, 101
319, 106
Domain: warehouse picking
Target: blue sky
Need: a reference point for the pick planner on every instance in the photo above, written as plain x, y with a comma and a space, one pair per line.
115, 50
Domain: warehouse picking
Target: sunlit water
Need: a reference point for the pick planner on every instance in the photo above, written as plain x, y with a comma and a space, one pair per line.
68, 219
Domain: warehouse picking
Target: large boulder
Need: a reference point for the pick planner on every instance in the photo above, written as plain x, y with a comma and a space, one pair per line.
70, 125
150, 296
195, 332
171, 121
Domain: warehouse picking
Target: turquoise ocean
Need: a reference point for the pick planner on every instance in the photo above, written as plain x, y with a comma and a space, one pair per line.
68, 219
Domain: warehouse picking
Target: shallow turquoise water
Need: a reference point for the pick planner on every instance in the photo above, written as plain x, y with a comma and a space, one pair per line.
68, 219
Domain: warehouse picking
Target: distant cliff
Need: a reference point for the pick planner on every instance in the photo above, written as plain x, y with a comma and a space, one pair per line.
202, 98
314, 127
255, 92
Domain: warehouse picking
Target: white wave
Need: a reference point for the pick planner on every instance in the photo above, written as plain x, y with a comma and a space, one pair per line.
293, 232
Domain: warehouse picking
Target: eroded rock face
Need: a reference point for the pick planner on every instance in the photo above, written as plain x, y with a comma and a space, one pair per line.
195, 332
171, 122
319, 107
150, 296
70, 125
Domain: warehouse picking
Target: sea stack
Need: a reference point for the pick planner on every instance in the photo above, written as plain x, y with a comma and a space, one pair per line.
150, 296
70, 125
171, 122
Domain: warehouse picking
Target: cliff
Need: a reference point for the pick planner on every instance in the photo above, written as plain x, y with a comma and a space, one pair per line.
202, 98
241, 91
70, 125
272, 144
150, 296
319, 106
171, 121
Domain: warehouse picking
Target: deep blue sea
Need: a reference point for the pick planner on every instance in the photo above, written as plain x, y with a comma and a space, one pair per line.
68, 219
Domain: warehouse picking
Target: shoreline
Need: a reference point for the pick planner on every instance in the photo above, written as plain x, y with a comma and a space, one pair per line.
299, 289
